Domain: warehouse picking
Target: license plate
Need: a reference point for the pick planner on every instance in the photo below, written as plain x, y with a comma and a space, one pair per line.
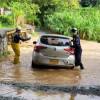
53, 61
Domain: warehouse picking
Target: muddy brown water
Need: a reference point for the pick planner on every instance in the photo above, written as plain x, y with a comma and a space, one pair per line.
25, 74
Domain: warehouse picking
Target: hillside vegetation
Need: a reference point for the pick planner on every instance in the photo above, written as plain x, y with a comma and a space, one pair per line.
58, 16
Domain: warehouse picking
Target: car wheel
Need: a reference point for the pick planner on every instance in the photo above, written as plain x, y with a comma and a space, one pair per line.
72, 67
33, 65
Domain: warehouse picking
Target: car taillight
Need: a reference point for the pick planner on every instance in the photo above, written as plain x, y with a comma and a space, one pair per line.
71, 51
37, 48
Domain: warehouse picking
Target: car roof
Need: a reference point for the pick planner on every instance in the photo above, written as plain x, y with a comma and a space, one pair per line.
55, 35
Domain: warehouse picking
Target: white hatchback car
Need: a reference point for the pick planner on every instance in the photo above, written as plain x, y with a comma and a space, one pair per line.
53, 50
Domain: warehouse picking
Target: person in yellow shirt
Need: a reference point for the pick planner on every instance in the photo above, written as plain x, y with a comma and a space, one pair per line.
16, 37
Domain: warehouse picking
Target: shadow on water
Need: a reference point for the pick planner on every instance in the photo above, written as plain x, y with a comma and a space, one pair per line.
51, 67
56, 75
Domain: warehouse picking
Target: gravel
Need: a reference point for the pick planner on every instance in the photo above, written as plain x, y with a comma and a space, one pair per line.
84, 90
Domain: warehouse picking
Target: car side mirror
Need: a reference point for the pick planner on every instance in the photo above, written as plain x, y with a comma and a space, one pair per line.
34, 42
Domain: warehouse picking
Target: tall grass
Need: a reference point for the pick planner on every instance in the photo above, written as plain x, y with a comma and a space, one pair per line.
87, 20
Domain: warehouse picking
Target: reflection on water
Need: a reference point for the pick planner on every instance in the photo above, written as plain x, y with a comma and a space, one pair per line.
7, 91
17, 73
72, 96
54, 76
24, 73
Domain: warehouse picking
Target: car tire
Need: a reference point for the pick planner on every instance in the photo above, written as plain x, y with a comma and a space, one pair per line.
72, 67
33, 65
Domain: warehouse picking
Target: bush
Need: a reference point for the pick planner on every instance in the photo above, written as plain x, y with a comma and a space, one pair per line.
87, 21
5, 54
4, 19
6, 22
25, 9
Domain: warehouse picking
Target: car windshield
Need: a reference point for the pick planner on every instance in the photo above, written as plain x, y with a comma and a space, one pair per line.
55, 40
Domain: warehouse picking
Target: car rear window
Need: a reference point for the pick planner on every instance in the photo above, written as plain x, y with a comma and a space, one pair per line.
55, 41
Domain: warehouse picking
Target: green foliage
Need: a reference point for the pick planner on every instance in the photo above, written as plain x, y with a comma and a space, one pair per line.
87, 3
5, 54
4, 19
57, 15
86, 20
46, 2
48, 7
34, 10
72, 4
25, 9
5, 22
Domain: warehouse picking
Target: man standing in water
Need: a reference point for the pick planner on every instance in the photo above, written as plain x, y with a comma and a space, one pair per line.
78, 49
16, 37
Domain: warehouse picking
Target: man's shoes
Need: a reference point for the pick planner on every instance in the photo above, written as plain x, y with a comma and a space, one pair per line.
81, 66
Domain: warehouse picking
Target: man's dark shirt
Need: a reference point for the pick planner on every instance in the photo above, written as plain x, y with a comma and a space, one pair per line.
76, 42
16, 37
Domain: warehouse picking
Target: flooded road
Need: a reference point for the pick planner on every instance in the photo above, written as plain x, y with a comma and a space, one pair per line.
23, 73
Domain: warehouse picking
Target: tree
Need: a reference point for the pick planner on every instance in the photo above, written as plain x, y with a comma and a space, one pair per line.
25, 9
72, 4
46, 5
87, 3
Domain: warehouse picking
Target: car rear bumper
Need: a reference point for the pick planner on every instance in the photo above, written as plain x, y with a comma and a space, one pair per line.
45, 60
